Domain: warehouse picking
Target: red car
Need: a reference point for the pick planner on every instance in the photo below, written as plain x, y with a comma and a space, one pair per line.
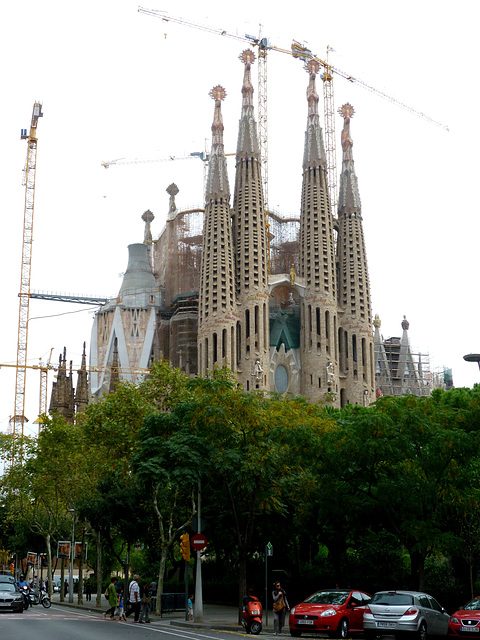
466, 621
337, 612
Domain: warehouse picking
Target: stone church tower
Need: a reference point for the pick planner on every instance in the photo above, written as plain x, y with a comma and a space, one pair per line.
283, 302
317, 261
251, 250
218, 318
355, 338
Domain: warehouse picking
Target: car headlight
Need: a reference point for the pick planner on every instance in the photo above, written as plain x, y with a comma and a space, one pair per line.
292, 611
328, 612
454, 620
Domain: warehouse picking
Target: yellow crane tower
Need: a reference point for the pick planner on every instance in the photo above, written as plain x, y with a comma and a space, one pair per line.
18, 418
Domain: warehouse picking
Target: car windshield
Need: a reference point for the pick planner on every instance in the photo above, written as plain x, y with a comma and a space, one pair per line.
7, 586
392, 598
328, 597
473, 605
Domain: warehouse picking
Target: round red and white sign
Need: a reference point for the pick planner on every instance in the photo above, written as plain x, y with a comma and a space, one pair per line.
198, 541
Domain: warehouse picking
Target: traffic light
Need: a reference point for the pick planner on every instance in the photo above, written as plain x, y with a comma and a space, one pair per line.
185, 546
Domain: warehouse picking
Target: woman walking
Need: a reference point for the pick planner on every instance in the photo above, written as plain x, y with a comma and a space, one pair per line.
280, 607
112, 599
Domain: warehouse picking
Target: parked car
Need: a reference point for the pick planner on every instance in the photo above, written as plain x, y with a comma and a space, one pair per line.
399, 612
10, 598
337, 612
466, 621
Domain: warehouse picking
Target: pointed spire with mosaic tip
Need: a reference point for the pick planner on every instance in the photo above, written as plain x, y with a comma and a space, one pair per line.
247, 144
217, 182
314, 152
349, 194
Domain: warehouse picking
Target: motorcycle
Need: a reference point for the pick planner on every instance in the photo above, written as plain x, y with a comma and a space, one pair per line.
252, 614
31, 597
25, 591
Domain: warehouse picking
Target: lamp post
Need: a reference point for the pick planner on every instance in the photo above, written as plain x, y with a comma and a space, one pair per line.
72, 557
473, 357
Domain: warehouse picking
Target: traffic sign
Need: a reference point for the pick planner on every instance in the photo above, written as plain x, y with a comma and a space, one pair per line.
198, 541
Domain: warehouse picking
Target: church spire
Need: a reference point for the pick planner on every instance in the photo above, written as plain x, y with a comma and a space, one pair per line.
247, 145
217, 183
349, 196
314, 151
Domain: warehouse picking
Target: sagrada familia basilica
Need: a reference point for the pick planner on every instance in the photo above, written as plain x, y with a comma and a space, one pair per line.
283, 302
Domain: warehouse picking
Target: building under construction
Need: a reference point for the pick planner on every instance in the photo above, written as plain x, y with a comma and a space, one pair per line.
283, 302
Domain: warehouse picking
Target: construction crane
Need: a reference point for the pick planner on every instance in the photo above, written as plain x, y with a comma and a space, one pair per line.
202, 155
18, 418
297, 50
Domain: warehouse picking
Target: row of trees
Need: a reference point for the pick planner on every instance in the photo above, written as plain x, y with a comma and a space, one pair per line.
376, 497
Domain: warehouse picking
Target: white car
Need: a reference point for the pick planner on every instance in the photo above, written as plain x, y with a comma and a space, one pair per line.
404, 612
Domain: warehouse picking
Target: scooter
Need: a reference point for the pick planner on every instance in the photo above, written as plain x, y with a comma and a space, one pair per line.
31, 597
252, 614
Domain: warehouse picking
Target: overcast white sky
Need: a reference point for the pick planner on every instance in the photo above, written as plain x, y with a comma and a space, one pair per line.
116, 83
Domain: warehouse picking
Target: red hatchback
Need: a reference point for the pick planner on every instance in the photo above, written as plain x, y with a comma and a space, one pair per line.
466, 621
337, 612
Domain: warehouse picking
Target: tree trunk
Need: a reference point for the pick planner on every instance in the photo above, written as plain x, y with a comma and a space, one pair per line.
417, 570
49, 565
161, 579
98, 539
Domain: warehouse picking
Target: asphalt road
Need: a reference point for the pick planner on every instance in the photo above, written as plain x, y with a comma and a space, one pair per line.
61, 623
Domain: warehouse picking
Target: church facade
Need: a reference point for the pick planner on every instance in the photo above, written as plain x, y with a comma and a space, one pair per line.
283, 302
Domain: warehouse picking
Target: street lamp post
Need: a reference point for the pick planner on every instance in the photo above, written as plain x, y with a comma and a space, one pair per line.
473, 357
72, 558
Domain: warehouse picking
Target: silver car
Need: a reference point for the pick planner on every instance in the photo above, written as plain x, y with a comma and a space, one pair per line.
399, 612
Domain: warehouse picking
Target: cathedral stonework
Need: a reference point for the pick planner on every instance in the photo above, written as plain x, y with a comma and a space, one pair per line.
283, 302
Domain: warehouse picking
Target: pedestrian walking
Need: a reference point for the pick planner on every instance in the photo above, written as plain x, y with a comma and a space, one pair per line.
88, 590
280, 607
119, 610
112, 599
134, 598
145, 603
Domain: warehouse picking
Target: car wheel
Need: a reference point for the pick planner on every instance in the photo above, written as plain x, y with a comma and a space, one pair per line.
422, 631
342, 630
295, 633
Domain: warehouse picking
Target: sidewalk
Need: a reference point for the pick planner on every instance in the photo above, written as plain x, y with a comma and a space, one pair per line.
221, 617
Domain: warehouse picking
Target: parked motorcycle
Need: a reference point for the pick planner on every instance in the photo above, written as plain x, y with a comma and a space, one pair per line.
252, 614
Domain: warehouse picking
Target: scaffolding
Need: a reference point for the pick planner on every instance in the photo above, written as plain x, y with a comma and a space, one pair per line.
284, 242
177, 254
401, 370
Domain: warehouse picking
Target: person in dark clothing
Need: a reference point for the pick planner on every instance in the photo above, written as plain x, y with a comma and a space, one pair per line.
88, 590
280, 607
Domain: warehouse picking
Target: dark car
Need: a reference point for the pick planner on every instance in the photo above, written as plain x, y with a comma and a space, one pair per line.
404, 612
466, 621
10, 598
337, 612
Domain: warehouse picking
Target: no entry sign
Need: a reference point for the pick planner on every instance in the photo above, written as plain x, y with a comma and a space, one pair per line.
198, 541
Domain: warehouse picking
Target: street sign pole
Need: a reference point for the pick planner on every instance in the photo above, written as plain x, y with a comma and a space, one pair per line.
268, 552
198, 580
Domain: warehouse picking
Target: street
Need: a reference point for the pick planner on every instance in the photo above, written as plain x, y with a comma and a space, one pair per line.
62, 623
